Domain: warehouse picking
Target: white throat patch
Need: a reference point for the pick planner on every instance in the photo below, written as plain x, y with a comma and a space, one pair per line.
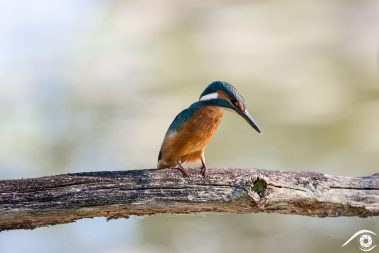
209, 96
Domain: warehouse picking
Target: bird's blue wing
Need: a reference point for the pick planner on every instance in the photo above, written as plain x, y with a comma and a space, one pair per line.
178, 122
180, 119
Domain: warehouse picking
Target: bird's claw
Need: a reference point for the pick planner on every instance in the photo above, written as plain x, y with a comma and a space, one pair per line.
204, 171
183, 170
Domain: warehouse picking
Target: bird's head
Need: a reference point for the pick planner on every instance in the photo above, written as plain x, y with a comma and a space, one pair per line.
227, 96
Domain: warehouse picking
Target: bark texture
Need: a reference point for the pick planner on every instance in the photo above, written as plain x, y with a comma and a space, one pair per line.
36, 202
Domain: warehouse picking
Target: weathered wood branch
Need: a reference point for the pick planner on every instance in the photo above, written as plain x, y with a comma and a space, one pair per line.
36, 202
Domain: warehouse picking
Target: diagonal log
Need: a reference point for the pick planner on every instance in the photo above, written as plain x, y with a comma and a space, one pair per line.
36, 202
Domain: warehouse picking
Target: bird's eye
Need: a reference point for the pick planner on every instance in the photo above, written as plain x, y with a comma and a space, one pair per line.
235, 102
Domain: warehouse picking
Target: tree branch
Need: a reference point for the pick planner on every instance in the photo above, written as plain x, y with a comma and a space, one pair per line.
36, 202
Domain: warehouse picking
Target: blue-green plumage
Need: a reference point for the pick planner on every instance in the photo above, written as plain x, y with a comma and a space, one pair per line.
226, 87
180, 119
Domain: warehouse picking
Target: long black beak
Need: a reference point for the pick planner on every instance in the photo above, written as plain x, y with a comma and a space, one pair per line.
246, 115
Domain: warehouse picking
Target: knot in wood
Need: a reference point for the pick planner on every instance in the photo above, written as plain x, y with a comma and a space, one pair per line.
257, 190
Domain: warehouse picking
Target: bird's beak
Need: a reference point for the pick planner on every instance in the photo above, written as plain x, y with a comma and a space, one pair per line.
246, 115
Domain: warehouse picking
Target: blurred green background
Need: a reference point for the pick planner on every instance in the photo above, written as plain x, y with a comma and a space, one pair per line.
93, 85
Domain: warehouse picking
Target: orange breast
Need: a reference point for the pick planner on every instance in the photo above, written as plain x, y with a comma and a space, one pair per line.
189, 143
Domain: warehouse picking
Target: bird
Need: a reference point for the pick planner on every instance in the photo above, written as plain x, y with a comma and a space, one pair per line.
193, 128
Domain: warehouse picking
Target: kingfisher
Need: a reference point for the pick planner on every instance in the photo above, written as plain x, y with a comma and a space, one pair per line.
193, 128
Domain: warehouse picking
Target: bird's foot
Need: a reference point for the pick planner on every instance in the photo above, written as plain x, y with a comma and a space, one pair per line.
204, 170
183, 170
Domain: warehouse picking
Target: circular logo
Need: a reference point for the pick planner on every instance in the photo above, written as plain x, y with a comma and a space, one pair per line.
365, 241
364, 238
